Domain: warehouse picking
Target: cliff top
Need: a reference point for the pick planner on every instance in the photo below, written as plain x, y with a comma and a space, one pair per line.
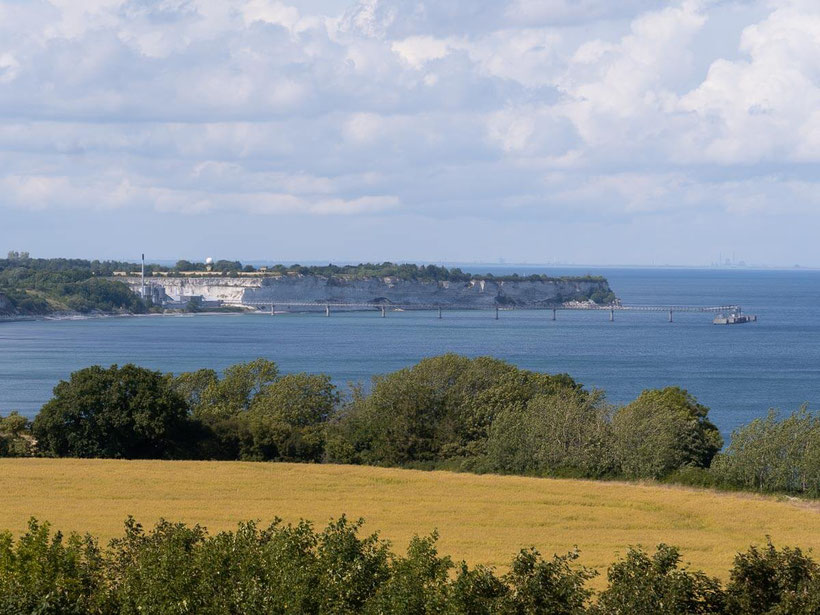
362, 271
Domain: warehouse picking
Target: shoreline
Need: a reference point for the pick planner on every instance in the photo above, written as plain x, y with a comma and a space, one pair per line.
78, 316
64, 316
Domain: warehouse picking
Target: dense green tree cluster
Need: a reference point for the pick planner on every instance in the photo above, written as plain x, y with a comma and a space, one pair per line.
644, 584
15, 436
563, 433
120, 412
220, 266
253, 413
39, 286
485, 414
295, 569
402, 271
440, 410
446, 412
774, 454
663, 431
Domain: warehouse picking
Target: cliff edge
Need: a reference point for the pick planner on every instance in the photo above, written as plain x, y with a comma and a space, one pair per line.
476, 292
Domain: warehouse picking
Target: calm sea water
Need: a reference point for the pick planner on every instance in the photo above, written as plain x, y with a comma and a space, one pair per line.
738, 371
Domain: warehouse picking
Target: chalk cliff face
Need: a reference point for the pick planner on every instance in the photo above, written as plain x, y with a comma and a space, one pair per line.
407, 292
227, 290
310, 289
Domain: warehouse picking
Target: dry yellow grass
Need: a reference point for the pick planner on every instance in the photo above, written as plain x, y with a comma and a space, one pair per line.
482, 519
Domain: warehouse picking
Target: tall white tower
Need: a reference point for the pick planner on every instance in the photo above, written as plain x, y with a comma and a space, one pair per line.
142, 275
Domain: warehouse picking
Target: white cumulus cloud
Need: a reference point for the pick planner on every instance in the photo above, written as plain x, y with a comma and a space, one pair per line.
504, 111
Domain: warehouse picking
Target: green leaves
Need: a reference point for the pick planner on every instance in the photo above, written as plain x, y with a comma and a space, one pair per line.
767, 581
439, 410
448, 412
15, 439
120, 412
774, 454
283, 569
640, 584
48, 574
565, 431
253, 413
236, 390
286, 419
664, 430
294, 569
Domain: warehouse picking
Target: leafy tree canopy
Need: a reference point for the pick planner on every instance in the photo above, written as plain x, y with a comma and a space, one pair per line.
663, 430
120, 412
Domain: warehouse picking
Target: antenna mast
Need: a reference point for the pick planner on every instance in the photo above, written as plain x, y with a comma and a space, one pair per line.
142, 274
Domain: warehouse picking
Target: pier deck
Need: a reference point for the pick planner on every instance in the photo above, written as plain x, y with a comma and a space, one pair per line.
383, 307
460, 308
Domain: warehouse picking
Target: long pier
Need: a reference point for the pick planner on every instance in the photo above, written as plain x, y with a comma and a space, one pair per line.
382, 308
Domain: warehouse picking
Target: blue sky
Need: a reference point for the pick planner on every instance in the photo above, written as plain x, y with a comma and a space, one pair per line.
585, 131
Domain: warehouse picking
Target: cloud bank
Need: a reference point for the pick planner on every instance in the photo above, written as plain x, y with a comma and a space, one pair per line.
619, 122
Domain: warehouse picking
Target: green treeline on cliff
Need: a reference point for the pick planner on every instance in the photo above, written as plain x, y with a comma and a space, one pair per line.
446, 412
297, 570
34, 286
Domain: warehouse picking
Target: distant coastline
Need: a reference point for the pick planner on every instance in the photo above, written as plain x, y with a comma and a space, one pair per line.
68, 288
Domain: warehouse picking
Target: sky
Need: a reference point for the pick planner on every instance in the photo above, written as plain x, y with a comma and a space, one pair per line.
529, 131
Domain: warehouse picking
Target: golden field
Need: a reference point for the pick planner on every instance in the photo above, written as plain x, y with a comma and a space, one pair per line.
481, 519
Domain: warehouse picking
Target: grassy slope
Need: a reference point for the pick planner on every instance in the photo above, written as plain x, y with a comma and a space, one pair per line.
483, 519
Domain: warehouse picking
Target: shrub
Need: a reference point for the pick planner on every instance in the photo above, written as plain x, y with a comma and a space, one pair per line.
418, 583
15, 436
774, 454
551, 587
439, 409
120, 412
770, 581
286, 419
175, 569
566, 432
49, 575
662, 431
640, 584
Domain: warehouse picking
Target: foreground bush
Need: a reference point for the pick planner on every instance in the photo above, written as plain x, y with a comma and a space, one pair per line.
176, 569
641, 584
46, 574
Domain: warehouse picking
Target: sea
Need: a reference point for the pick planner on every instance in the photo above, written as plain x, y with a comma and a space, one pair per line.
739, 372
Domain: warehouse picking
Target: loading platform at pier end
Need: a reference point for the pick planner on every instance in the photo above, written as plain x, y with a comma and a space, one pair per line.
724, 314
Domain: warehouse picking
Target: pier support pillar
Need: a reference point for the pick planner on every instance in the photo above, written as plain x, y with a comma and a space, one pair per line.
670, 315
439, 313
327, 310
271, 309
611, 315
554, 313
383, 312
496, 313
